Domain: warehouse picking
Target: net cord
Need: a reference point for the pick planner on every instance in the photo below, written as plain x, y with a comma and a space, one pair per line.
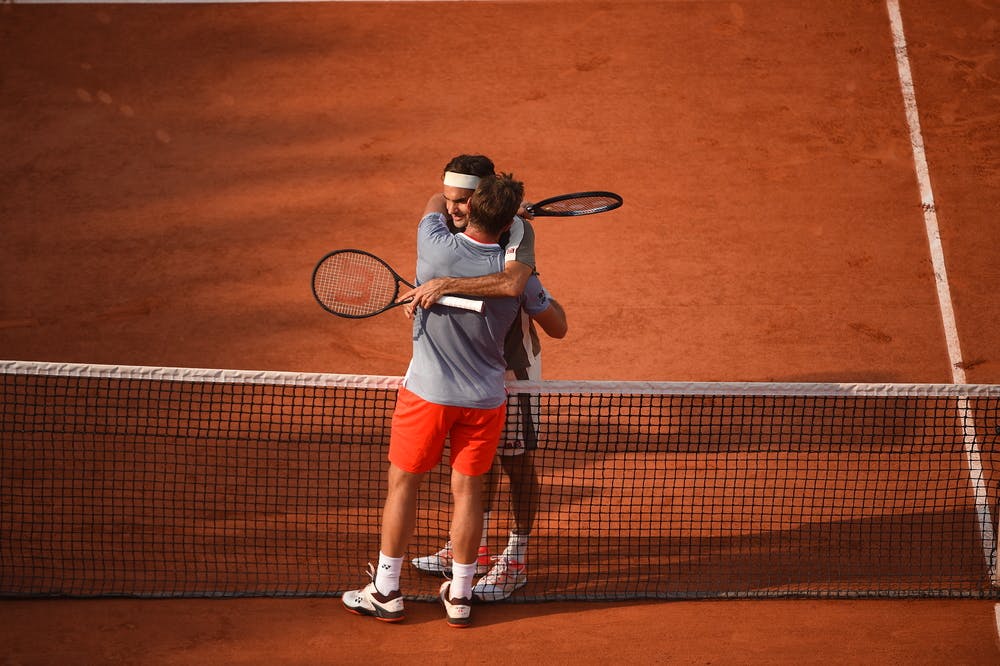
265, 377
271, 377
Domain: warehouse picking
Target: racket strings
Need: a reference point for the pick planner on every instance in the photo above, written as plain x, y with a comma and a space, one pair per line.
354, 284
580, 205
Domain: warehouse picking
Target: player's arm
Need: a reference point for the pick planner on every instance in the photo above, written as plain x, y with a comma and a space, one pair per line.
543, 309
493, 285
436, 205
520, 264
510, 282
552, 320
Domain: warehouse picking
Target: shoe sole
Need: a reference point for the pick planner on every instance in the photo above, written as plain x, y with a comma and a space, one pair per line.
375, 614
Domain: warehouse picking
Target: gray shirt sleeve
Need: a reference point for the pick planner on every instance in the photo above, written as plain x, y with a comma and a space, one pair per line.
521, 245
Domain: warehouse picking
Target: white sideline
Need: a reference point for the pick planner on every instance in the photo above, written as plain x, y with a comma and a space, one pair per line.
972, 453
926, 194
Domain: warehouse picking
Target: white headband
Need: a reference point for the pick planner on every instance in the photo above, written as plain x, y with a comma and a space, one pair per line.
464, 181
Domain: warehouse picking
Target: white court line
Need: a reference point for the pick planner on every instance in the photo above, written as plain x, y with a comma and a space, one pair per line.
985, 518
926, 195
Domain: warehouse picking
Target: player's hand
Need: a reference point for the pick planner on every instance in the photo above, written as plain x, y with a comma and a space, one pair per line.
523, 212
424, 295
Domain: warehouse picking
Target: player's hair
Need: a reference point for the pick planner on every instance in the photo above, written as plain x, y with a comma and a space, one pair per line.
471, 165
495, 202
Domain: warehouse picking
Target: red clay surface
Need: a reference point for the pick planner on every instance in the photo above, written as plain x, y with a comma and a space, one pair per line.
172, 173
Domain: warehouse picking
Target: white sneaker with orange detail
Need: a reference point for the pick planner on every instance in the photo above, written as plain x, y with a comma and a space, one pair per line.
506, 577
440, 562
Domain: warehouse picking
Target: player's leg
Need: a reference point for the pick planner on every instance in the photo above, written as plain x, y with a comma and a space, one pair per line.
440, 561
509, 571
524, 496
416, 444
382, 597
473, 446
466, 524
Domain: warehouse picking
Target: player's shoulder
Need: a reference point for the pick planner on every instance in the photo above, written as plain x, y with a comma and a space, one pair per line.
520, 229
522, 224
434, 218
433, 223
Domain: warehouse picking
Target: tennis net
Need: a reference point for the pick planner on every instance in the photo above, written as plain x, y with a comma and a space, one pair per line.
164, 482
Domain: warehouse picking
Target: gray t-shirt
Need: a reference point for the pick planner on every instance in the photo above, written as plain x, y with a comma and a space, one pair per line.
458, 354
519, 242
522, 348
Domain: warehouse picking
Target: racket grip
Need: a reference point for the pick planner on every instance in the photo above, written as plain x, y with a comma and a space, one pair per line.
473, 304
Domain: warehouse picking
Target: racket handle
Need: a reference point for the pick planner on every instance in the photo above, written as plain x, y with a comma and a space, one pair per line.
464, 303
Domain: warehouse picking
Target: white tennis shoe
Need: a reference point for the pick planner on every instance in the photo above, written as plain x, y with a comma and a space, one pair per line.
440, 562
369, 601
459, 610
506, 577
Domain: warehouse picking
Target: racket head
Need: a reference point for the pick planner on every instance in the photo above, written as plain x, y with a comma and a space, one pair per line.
355, 284
577, 203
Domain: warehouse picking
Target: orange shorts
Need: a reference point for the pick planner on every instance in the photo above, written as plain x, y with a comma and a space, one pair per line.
420, 428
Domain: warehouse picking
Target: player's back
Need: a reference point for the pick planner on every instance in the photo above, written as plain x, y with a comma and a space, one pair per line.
457, 354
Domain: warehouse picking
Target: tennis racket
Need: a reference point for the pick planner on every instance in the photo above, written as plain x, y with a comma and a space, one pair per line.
356, 284
578, 203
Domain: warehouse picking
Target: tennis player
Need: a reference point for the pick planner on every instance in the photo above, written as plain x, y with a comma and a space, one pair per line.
453, 389
460, 177
522, 353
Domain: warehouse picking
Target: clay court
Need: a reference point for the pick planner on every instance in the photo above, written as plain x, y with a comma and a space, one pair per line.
173, 172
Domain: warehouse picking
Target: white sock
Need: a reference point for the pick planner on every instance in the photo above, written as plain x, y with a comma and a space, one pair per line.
461, 580
517, 547
387, 573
